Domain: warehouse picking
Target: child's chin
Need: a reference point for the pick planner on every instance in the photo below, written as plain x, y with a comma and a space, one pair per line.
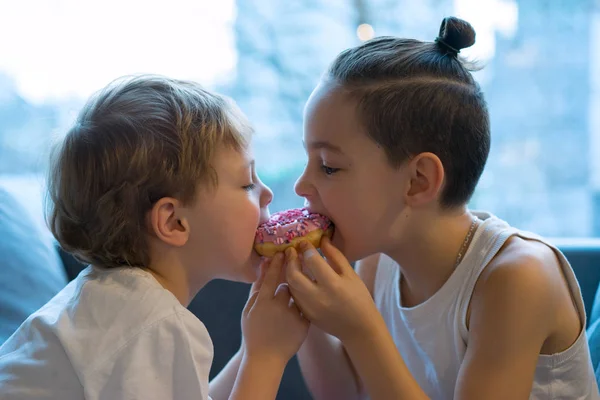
255, 261
347, 249
246, 274
251, 270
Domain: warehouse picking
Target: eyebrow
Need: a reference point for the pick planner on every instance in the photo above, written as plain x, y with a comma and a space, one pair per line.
323, 145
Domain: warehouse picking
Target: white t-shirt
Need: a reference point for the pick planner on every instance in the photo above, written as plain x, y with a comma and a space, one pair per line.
110, 334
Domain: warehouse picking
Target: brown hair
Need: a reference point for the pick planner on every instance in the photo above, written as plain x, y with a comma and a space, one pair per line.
138, 140
415, 97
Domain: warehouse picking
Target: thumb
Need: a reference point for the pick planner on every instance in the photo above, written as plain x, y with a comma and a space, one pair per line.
282, 293
320, 269
294, 273
272, 277
261, 277
335, 258
250, 303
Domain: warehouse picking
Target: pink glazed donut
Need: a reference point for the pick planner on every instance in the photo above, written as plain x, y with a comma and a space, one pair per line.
288, 228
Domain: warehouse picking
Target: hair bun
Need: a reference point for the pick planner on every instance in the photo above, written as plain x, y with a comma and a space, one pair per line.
455, 34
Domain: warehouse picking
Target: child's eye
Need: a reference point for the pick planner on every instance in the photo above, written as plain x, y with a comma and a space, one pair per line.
329, 170
249, 188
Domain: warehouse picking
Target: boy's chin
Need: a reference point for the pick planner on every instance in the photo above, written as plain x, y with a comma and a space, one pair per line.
252, 270
245, 272
352, 253
255, 261
248, 274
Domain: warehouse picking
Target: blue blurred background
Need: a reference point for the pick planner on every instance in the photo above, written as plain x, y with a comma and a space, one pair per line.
541, 78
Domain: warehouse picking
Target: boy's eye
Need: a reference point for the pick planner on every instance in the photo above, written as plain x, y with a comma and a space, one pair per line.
249, 188
329, 170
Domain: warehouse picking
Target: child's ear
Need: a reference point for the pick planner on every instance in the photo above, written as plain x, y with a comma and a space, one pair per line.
167, 222
426, 179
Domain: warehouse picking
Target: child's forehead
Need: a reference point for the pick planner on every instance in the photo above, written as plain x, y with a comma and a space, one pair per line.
228, 158
335, 135
329, 96
331, 109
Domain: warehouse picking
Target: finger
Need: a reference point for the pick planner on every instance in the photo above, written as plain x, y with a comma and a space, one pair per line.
297, 308
282, 293
335, 258
282, 273
305, 270
271, 279
297, 280
261, 277
303, 290
250, 303
318, 267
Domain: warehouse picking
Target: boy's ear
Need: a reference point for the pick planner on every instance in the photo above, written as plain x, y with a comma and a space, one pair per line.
167, 222
426, 179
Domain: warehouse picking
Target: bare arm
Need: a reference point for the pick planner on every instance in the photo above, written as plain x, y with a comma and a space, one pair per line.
221, 386
323, 355
511, 317
258, 378
380, 365
326, 368
273, 330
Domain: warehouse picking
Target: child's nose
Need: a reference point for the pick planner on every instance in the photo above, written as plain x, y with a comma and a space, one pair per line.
302, 186
266, 195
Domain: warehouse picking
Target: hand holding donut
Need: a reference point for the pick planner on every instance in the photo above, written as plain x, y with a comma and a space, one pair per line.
337, 301
272, 327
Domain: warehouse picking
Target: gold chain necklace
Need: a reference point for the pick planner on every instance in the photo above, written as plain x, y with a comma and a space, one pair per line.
465, 244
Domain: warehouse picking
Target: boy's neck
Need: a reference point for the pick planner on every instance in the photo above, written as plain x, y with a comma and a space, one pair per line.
170, 272
430, 254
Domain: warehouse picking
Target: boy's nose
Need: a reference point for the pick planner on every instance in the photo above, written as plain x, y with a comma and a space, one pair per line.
266, 196
302, 187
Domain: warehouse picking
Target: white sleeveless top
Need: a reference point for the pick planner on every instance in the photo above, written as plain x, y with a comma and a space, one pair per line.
432, 337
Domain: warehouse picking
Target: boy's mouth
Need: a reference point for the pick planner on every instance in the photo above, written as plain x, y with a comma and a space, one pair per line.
315, 211
333, 230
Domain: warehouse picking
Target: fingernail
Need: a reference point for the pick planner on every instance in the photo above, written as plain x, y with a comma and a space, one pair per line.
303, 246
309, 253
283, 286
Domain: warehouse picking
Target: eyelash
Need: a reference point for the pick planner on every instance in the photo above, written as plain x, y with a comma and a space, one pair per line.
249, 188
328, 170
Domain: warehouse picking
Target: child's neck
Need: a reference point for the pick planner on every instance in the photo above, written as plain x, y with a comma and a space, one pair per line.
170, 272
430, 254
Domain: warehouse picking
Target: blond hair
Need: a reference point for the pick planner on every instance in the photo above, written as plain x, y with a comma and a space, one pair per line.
138, 140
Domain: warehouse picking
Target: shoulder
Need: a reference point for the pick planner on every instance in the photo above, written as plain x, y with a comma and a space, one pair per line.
367, 270
514, 316
34, 361
524, 265
178, 337
170, 358
117, 312
122, 301
519, 283
147, 315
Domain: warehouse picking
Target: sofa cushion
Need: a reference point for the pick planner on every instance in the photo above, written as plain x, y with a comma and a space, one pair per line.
30, 270
593, 333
